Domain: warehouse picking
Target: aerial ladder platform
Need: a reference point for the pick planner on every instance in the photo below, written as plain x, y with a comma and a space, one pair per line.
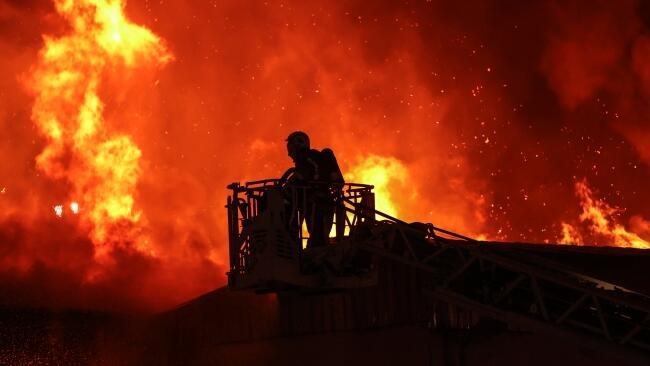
516, 286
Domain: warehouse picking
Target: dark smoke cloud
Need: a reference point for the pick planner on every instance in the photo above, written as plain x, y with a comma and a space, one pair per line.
495, 107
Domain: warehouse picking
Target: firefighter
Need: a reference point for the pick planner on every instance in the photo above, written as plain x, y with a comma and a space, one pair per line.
316, 172
306, 161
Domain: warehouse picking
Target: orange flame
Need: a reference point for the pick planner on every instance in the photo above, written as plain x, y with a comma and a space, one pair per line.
101, 164
396, 192
387, 174
601, 220
449, 113
570, 235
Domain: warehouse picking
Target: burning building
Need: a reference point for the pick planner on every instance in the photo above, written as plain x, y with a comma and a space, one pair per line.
122, 122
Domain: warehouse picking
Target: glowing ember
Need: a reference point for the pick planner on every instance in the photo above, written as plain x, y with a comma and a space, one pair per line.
104, 164
58, 210
417, 98
74, 207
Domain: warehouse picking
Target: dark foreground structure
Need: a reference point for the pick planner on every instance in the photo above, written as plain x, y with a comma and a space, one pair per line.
389, 324
384, 292
395, 323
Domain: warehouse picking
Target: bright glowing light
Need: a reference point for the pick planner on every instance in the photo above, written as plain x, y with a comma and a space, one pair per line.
383, 173
69, 112
601, 220
58, 210
570, 235
481, 237
74, 207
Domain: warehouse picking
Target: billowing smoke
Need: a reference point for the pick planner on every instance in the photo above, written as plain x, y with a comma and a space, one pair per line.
483, 117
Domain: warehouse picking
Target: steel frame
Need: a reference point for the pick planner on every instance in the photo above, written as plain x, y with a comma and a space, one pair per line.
516, 287
520, 289
245, 204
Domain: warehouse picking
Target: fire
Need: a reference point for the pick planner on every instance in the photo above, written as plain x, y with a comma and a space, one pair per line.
601, 220
570, 235
388, 175
101, 164
418, 100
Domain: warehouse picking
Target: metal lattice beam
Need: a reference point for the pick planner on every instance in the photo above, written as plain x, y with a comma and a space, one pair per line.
541, 296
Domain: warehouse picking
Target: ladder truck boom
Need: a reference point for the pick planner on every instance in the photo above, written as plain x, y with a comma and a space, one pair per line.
518, 286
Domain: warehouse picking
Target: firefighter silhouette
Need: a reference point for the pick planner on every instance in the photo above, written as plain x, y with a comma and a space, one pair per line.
318, 173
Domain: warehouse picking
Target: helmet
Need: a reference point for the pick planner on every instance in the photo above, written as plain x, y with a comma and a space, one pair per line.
297, 141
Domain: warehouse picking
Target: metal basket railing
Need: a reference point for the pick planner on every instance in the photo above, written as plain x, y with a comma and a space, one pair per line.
347, 204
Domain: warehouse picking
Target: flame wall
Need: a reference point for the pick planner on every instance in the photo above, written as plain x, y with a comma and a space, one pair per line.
509, 120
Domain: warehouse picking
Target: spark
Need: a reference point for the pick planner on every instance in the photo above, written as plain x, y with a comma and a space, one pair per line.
74, 207
58, 210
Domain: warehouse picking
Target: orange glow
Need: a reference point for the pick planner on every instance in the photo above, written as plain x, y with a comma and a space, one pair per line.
104, 165
601, 220
58, 210
570, 235
388, 175
142, 112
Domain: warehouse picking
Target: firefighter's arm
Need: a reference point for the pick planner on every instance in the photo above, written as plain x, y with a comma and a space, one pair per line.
287, 175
